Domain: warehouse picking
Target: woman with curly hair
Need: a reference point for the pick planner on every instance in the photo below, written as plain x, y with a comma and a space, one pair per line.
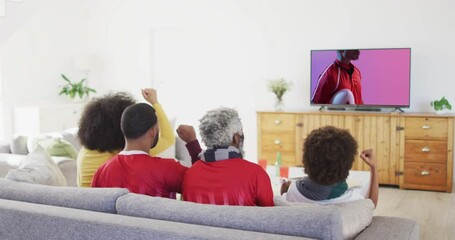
101, 136
328, 155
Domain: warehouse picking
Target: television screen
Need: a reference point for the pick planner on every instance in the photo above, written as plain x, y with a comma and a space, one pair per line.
361, 77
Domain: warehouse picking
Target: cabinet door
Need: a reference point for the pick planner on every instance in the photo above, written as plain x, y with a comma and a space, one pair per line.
379, 133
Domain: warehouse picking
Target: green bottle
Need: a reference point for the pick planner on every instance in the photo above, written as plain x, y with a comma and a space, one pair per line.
278, 164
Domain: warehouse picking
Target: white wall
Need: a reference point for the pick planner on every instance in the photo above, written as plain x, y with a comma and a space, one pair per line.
35, 54
201, 54
198, 54
204, 54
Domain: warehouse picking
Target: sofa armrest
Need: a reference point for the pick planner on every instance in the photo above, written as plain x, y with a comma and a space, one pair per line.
5, 147
391, 228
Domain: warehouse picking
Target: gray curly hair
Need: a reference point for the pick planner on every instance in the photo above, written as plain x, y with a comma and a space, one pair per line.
218, 126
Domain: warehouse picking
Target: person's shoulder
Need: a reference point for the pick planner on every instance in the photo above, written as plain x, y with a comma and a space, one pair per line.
331, 69
250, 165
167, 161
164, 160
94, 155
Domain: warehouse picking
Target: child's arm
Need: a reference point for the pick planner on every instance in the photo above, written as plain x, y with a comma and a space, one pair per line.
369, 158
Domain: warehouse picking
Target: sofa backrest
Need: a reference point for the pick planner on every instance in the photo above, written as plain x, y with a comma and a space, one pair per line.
21, 220
320, 222
94, 199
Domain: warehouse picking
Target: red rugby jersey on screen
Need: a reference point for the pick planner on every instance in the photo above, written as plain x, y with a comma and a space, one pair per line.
338, 76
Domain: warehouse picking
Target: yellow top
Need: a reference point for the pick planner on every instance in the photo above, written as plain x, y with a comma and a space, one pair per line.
88, 161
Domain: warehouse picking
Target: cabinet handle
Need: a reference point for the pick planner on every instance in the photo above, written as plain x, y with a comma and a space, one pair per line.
425, 173
426, 127
277, 142
277, 122
425, 149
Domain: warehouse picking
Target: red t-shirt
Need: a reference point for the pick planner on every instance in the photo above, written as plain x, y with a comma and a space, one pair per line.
141, 173
228, 182
335, 78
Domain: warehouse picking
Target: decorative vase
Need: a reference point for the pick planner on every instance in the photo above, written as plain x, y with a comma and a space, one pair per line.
279, 105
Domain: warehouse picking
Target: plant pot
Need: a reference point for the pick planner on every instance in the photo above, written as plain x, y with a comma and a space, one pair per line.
443, 111
77, 99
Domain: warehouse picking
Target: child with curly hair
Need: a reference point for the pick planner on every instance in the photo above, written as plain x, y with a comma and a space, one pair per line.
328, 155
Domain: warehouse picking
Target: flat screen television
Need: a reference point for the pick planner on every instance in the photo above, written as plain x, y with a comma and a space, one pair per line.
363, 79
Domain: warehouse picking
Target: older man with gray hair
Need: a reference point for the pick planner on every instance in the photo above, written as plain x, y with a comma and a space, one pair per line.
223, 177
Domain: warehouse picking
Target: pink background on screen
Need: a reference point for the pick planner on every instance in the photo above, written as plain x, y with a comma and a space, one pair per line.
385, 74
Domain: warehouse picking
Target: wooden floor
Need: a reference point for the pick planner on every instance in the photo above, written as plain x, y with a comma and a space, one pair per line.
435, 211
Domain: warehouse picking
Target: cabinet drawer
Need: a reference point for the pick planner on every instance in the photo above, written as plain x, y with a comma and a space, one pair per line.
426, 151
277, 122
426, 128
278, 142
287, 158
433, 174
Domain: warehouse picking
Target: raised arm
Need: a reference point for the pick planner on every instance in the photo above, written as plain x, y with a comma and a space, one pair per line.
369, 158
166, 138
188, 135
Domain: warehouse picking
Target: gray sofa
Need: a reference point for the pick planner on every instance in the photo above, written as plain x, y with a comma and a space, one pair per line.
31, 211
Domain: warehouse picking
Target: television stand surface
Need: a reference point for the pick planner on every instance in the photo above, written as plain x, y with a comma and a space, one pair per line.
367, 109
397, 109
324, 108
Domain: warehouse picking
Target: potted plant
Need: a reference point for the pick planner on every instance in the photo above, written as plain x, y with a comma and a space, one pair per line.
73, 89
279, 88
441, 106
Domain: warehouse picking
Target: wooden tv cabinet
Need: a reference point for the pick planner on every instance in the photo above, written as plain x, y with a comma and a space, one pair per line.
413, 150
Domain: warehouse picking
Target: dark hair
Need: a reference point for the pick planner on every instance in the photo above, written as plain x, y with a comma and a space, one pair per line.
99, 126
328, 154
137, 119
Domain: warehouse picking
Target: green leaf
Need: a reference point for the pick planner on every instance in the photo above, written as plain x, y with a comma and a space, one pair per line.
65, 78
73, 89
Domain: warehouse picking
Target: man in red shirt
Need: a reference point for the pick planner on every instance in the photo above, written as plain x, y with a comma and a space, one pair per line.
340, 83
222, 176
133, 168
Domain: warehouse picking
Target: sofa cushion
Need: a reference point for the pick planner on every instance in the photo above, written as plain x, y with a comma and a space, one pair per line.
181, 153
383, 227
19, 145
321, 222
70, 135
68, 166
355, 216
94, 199
9, 161
5, 147
38, 167
54, 146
